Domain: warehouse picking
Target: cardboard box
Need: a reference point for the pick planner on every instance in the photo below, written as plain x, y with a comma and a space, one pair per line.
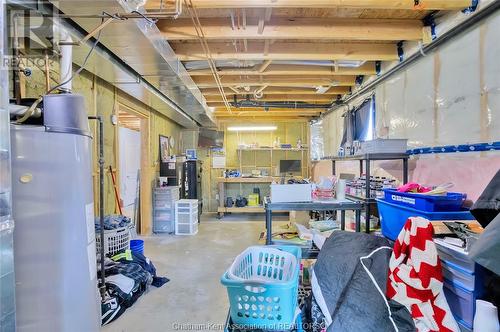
286, 193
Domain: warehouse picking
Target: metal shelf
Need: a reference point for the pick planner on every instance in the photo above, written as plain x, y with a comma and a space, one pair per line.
361, 199
365, 168
262, 179
331, 205
272, 149
371, 156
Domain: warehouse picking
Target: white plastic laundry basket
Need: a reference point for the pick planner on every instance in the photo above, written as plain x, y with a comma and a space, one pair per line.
115, 240
263, 264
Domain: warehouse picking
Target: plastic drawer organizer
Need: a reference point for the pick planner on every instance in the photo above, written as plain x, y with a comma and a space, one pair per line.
463, 283
164, 199
186, 217
262, 286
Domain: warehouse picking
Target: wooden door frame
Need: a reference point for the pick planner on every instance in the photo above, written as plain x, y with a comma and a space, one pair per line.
145, 189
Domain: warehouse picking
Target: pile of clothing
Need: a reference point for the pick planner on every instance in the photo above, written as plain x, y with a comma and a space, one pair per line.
128, 276
113, 221
362, 282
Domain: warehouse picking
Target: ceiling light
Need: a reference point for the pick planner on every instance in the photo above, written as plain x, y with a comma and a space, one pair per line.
252, 128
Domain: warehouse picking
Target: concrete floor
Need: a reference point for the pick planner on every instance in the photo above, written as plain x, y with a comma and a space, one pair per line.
194, 265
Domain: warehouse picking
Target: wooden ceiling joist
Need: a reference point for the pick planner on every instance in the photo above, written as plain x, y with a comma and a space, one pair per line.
371, 4
280, 91
292, 81
297, 28
289, 51
365, 69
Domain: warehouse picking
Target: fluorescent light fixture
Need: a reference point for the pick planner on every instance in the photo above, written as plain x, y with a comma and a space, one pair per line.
252, 128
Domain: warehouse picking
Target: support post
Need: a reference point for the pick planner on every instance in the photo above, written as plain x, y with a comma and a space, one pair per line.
367, 197
102, 285
342, 219
405, 171
269, 227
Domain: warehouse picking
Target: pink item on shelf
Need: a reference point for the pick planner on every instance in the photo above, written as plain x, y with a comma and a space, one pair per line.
413, 188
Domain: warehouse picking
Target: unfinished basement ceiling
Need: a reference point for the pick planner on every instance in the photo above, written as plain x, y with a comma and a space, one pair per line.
138, 45
290, 51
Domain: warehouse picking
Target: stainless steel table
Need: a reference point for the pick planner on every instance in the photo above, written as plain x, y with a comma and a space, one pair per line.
330, 205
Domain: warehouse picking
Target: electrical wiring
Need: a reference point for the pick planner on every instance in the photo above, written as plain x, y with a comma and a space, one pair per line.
201, 37
31, 109
82, 67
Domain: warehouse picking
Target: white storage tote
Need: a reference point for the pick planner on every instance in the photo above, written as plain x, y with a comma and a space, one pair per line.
262, 286
186, 217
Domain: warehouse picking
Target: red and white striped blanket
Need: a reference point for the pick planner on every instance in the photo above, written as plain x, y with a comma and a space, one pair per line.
416, 280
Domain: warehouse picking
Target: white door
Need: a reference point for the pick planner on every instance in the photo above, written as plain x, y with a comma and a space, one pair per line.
130, 161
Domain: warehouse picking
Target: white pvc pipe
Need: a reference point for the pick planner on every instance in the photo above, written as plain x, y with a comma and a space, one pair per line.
66, 64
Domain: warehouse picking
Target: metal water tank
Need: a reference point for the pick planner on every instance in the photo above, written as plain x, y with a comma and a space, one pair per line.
54, 237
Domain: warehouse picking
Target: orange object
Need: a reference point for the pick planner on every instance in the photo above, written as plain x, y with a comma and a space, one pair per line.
117, 196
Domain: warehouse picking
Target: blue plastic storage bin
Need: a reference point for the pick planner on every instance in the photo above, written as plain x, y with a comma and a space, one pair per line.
462, 303
393, 217
430, 203
262, 305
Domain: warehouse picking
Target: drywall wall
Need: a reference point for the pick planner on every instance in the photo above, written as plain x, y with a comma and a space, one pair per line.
103, 99
451, 96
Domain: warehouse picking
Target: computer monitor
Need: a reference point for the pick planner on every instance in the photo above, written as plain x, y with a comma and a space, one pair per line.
290, 166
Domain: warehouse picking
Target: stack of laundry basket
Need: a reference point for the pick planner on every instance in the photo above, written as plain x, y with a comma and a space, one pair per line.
262, 286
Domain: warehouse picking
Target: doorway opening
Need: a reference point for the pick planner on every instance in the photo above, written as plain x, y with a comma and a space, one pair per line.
132, 161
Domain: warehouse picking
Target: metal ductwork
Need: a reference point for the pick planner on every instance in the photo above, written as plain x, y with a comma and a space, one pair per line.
278, 104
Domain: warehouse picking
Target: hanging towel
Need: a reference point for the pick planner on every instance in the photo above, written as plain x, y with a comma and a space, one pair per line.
416, 280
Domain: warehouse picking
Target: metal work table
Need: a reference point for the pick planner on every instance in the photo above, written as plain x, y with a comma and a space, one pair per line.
330, 205
364, 161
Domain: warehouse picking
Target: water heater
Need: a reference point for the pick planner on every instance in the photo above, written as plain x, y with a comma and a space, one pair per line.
54, 236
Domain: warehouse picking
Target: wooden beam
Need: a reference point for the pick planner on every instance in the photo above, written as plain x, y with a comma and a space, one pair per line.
361, 4
308, 98
263, 66
291, 81
290, 51
297, 28
275, 70
279, 91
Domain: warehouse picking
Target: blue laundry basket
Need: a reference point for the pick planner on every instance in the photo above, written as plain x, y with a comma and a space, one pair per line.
269, 306
393, 217
137, 246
